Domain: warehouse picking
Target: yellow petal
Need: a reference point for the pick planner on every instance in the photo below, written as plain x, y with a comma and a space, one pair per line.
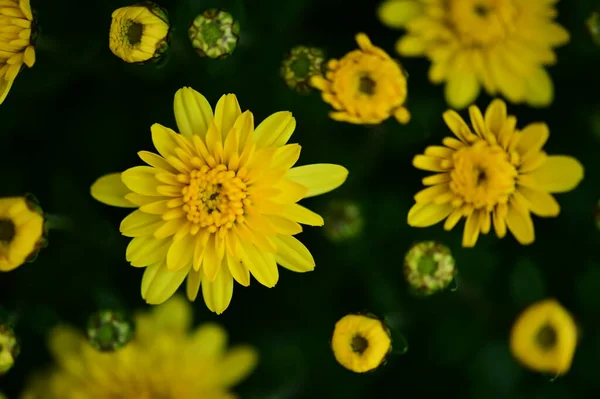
495, 115
540, 202
520, 225
29, 56
5, 86
146, 250
26, 9
263, 268
276, 130
175, 315
462, 89
208, 341
165, 283
558, 174
237, 364
213, 257
217, 294
318, 178
192, 284
226, 113
533, 138
141, 180
240, 273
110, 190
396, 13
425, 215
472, 229
149, 275
192, 112
293, 255
180, 252
164, 140
540, 89
285, 157
138, 223
458, 126
411, 46
300, 214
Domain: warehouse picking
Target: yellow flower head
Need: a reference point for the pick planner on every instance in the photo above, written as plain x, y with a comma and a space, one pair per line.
498, 175
544, 337
16, 42
365, 87
164, 360
502, 45
21, 232
360, 342
138, 33
218, 203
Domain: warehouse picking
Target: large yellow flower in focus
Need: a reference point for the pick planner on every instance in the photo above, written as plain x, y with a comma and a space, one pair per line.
218, 203
502, 45
498, 175
16, 47
164, 360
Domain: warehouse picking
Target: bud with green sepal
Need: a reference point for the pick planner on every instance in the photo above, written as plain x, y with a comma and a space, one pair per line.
109, 330
214, 34
429, 267
9, 348
299, 65
343, 220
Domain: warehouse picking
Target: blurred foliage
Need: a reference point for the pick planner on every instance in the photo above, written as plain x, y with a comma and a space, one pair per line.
81, 112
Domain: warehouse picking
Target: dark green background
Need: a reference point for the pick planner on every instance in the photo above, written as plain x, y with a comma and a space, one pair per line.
80, 112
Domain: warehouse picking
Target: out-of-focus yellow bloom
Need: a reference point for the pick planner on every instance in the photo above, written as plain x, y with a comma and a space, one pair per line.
219, 203
544, 337
360, 342
16, 42
366, 86
21, 232
502, 45
164, 360
139, 33
498, 175
9, 349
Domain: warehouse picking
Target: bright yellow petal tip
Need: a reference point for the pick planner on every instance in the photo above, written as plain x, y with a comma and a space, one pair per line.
544, 338
500, 46
492, 174
366, 86
218, 203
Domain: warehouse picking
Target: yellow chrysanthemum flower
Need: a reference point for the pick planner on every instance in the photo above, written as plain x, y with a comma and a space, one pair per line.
16, 47
138, 33
164, 360
361, 342
219, 203
502, 45
500, 175
21, 232
544, 337
366, 86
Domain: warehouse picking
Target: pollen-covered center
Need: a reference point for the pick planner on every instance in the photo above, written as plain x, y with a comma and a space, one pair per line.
481, 22
7, 231
215, 198
482, 175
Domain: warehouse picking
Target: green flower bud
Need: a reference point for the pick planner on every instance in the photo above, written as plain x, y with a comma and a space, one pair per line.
299, 65
214, 33
109, 330
429, 267
9, 348
593, 26
343, 220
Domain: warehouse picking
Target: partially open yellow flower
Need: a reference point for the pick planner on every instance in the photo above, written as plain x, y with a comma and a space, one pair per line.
219, 203
16, 46
498, 175
139, 33
502, 45
360, 342
544, 337
21, 232
164, 360
366, 86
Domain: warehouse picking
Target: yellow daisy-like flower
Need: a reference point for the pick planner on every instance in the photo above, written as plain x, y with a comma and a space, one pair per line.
502, 45
218, 203
16, 47
499, 176
21, 232
360, 342
138, 33
366, 86
164, 360
544, 337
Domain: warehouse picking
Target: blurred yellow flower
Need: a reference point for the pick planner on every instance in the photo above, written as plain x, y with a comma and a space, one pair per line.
164, 360
365, 87
138, 33
21, 232
16, 46
502, 45
544, 337
499, 176
360, 342
219, 203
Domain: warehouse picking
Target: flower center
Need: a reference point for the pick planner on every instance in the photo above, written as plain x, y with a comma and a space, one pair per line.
215, 198
366, 85
7, 231
482, 175
427, 264
134, 33
546, 337
481, 22
359, 344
